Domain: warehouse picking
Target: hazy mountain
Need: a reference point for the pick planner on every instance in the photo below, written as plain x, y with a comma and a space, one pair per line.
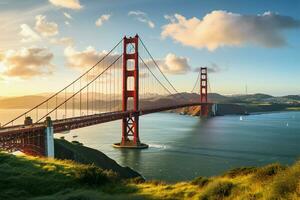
32, 100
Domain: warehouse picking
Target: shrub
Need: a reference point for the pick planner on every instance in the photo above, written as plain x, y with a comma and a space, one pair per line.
284, 184
137, 180
200, 181
268, 171
49, 167
241, 171
92, 175
156, 182
218, 190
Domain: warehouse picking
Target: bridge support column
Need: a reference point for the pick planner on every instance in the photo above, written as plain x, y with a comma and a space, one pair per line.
214, 109
49, 138
130, 124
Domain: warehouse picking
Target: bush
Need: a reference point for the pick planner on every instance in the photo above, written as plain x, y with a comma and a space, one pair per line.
268, 171
136, 180
241, 171
156, 182
200, 181
284, 184
92, 175
217, 191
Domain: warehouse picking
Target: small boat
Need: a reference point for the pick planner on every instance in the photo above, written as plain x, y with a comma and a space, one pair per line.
241, 118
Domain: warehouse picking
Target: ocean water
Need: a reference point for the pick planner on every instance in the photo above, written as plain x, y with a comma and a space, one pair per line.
183, 147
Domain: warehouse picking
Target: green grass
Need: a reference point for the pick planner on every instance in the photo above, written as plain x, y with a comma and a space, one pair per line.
24, 177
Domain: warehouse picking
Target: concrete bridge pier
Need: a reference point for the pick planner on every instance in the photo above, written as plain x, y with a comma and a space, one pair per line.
214, 109
208, 110
49, 138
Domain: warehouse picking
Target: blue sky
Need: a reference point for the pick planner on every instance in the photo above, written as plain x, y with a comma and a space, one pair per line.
265, 69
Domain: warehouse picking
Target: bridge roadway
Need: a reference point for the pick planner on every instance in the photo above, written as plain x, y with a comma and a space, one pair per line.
72, 123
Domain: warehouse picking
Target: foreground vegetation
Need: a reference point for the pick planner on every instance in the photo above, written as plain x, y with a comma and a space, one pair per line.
23, 177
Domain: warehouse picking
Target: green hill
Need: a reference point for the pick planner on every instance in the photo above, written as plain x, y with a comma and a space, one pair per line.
77, 152
24, 177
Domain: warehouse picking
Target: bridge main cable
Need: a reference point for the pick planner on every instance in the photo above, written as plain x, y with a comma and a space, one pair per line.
165, 77
196, 83
80, 89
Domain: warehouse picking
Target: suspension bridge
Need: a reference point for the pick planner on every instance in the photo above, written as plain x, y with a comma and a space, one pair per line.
124, 84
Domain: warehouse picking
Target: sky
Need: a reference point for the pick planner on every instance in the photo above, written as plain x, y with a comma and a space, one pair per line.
242, 42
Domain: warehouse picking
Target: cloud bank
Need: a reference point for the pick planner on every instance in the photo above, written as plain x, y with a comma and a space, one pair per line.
172, 64
44, 27
27, 62
28, 35
221, 28
64, 41
85, 59
102, 19
71, 4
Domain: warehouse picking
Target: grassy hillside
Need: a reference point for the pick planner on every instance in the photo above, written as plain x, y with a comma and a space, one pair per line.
43, 179
85, 155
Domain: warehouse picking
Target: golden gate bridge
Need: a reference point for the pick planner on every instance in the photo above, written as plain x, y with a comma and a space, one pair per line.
120, 86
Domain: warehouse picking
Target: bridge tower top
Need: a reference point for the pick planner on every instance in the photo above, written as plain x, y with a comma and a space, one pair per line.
203, 84
130, 72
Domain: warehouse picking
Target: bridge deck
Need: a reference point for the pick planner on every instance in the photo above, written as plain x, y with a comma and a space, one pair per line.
89, 120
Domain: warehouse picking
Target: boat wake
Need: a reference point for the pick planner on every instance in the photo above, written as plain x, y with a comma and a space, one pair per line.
158, 146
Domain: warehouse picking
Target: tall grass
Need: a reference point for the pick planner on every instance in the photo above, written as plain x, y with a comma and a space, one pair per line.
47, 179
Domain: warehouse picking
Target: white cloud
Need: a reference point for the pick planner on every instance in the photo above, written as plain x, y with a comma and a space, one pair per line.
28, 34
71, 4
102, 19
137, 13
172, 64
85, 59
67, 15
44, 27
10, 21
142, 17
221, 28
65, 41
27, 62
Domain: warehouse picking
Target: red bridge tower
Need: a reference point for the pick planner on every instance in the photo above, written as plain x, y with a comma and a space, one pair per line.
130, 124
203, 92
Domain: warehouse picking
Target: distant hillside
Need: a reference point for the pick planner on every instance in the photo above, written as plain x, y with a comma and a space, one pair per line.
20, 102
264, 98
31, 101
